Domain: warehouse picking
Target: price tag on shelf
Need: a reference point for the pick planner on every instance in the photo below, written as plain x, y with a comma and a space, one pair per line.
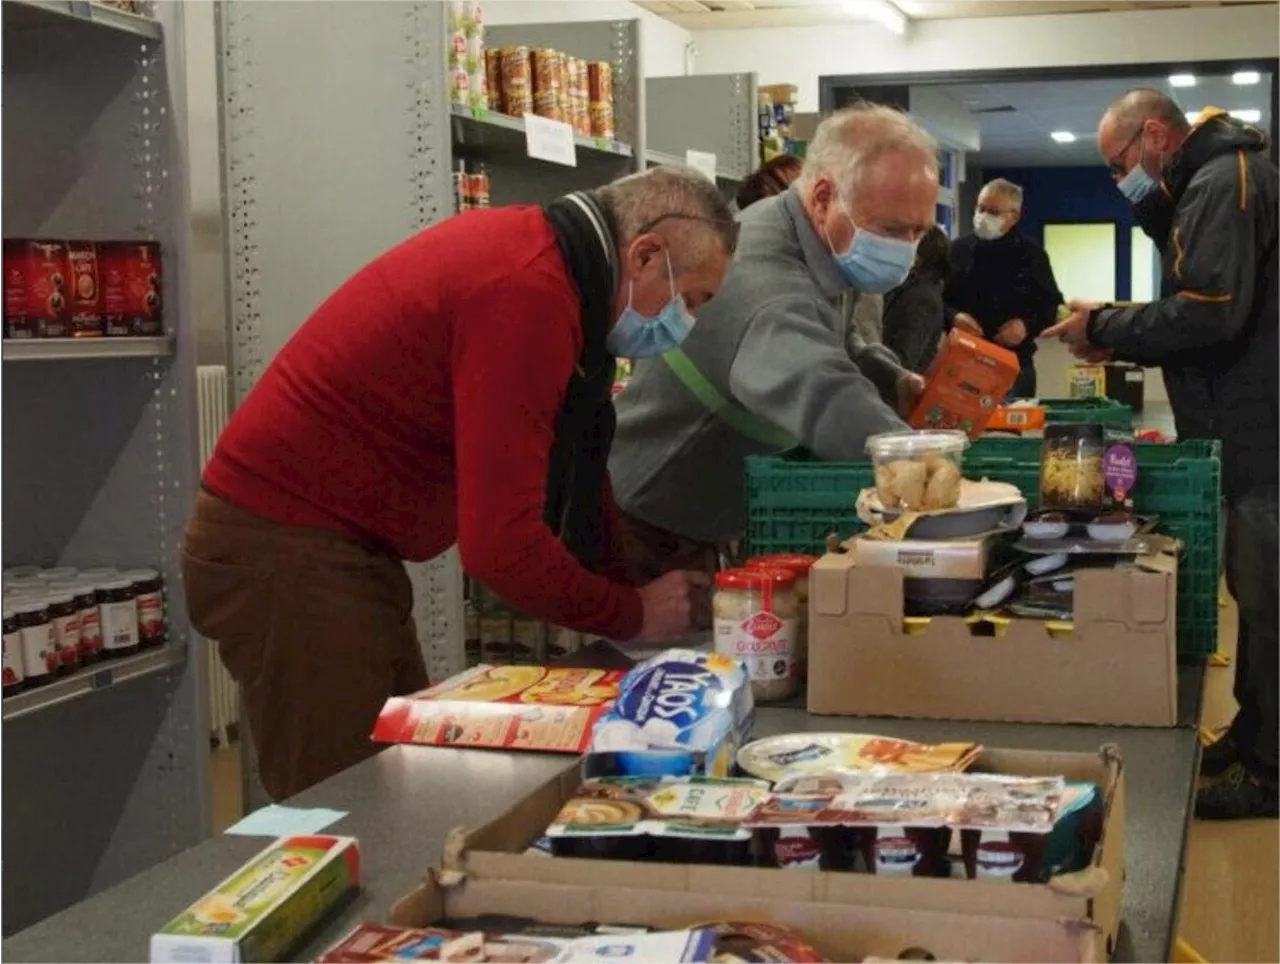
701, 161
550, 140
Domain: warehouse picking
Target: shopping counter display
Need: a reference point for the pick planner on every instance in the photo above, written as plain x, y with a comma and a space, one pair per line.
402, 805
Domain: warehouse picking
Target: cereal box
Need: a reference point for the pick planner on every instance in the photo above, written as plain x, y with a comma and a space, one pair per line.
965, 383
261, 910
503, 708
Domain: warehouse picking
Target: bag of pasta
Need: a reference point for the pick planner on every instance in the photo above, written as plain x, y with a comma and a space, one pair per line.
1071, 476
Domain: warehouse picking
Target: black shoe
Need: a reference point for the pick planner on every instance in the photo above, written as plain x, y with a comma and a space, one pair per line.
1238, 796
1218, 757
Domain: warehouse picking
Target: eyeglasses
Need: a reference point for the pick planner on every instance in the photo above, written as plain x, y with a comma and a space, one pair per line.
1116, 163
728, 229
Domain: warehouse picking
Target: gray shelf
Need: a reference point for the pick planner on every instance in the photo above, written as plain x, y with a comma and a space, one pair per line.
713, 113
489, 131
73, 349
42, 14
92, 679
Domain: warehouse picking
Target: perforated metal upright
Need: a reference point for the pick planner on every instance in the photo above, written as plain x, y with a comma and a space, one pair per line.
104, 772
714, 113
336, 147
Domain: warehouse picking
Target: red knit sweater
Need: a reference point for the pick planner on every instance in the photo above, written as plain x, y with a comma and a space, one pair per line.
417, 407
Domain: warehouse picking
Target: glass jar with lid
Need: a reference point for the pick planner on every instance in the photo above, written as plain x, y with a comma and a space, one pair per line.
755, 619
85, 598
119, 614
148, 592
799, 564
35, 629
13, 672
65, 617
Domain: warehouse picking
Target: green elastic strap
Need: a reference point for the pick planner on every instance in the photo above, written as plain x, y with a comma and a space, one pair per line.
738, 419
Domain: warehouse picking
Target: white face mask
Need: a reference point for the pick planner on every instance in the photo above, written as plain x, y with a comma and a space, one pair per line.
988, 226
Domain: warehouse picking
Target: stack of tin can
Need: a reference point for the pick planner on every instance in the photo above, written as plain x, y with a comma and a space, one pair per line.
468, 84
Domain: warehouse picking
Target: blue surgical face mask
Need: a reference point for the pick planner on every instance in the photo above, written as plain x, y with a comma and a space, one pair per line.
874, 263
639, 336
1137, 184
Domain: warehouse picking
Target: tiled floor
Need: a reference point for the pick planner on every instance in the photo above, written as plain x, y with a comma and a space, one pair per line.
1232, 886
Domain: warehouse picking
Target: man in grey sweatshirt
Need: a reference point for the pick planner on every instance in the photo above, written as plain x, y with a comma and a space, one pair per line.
766, 366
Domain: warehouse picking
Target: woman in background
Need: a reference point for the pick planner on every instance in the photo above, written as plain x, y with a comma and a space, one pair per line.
772, 177
913, 311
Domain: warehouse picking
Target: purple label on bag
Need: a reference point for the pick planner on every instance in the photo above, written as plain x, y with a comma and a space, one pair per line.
1120, 469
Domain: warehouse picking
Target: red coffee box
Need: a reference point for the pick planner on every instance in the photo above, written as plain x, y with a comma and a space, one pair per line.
36, 282
86, 290
131, 284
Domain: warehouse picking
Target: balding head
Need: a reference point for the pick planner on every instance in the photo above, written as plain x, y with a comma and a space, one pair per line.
874, 168
1143, 126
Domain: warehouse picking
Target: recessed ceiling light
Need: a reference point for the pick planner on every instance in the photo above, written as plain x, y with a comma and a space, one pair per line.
1063, 137
1245, 77
1182, 80
1248, 115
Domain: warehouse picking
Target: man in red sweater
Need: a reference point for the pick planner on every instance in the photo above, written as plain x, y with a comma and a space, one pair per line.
454, 390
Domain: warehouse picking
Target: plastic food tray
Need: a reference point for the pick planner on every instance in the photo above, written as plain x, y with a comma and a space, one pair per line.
794, 502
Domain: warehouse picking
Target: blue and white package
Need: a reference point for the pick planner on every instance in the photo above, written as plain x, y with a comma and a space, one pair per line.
681, 712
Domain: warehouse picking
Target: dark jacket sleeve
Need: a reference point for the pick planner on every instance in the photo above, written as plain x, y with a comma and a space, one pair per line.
955, 293
1045, 294
913, 317
1214, 250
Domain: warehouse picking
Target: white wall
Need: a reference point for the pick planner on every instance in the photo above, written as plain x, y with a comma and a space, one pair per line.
662, 43
953, 125
800, 55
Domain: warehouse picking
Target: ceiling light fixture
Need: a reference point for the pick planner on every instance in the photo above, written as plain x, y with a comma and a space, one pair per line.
1063, 137
883, 12
1249, 115
1243, 78
1182, 80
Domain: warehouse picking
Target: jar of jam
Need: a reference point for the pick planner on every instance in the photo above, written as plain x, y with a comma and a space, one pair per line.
148, 593
66, 627
57, 574
118, 611
13, 674
35, 629
85, 597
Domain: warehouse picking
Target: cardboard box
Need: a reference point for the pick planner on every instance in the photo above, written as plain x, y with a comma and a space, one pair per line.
260, 911
847, 915
967, 379
925, 558
1115, 665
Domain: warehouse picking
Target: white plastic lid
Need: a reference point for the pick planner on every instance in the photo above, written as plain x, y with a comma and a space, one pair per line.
30, 604
29, 583
57, 597
75, 587
101, 572
22, 572
909, 445
140, 575
119, 582
58, 573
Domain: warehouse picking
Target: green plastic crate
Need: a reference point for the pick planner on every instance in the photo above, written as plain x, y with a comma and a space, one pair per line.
794, 503
1093, 411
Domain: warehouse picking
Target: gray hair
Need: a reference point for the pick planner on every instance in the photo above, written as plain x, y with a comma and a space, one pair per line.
1005, 189
1135, 106
684, 200
848, 142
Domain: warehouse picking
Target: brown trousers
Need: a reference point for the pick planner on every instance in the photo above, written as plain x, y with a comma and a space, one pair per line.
317, 630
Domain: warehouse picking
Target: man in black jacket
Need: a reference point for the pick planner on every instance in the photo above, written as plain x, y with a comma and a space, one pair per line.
1001, 285
1207, 195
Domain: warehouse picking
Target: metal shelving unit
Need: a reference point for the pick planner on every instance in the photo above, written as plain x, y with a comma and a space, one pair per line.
99, 781
498, 134
713, 113
80, 349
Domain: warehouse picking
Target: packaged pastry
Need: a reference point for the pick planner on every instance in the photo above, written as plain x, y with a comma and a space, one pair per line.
682, 711
675, 820
756, 941
918, 470
549, 709
260, 911
793, 755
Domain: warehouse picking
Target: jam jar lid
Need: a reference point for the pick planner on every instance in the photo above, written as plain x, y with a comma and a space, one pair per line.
76, 587
119, 582
60, 597
100, 574
140, 575
30, 604
58, 573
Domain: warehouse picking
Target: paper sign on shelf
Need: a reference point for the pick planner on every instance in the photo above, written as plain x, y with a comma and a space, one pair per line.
550, 140
701, 161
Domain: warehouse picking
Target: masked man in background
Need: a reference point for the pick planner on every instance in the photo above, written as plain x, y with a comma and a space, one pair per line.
1207, 195
766, 367
454, 390
1001, 286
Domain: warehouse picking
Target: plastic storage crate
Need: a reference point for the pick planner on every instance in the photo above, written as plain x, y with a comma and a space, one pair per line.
1095, 411
794, 503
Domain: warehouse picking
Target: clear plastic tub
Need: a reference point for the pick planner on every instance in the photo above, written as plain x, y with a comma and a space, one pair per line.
918, 470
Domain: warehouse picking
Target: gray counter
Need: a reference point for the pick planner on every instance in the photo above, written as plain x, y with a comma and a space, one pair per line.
403, 802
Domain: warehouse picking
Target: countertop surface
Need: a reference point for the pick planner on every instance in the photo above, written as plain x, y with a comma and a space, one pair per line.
402, 803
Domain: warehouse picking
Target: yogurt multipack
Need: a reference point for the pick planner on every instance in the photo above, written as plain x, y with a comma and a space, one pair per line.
681, 712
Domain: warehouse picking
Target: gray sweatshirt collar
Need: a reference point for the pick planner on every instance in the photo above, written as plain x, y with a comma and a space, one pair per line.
817, 256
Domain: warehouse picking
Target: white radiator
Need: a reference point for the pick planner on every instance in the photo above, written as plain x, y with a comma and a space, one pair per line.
224, 695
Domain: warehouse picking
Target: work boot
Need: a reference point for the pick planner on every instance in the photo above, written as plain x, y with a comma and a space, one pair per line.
1238, 796
1217, 757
